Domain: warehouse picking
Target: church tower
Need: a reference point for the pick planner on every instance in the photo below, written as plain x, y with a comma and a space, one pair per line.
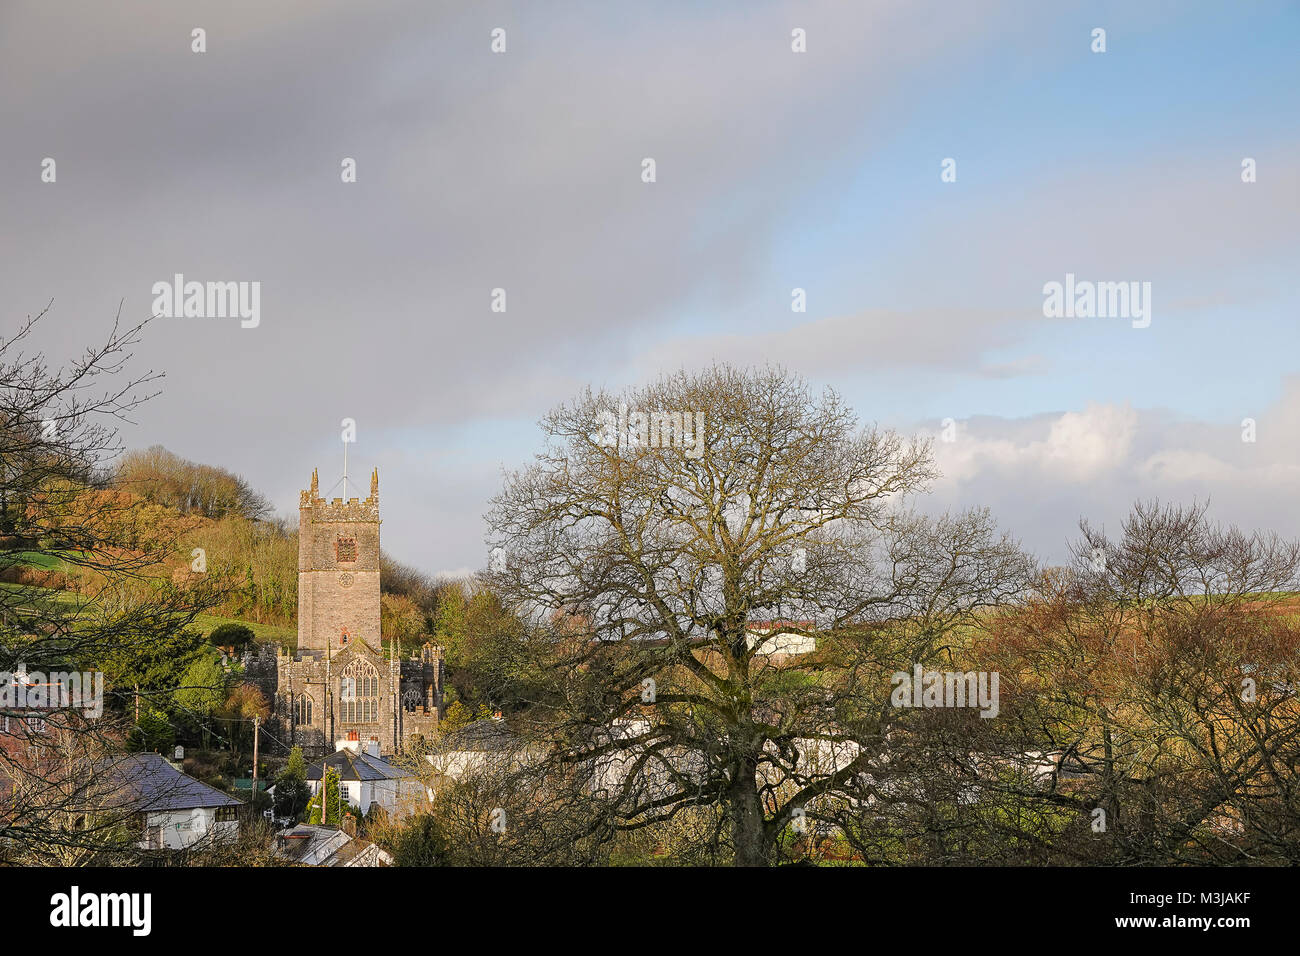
338, 569
345, 685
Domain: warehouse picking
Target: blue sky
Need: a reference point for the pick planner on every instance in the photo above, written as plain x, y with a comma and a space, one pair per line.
1212, 86
776, 170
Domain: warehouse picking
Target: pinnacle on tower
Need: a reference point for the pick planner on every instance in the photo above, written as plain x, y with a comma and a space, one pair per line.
315, 485
374, 484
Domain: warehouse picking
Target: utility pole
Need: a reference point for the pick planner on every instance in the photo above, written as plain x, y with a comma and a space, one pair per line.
395, 679
256, 721
329, 709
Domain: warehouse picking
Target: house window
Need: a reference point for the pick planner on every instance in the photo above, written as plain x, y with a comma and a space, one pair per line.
227, 814
359, 693
345, 549
36, 725
302, 710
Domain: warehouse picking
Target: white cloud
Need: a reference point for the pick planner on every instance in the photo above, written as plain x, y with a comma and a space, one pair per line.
1040, 474
1077, 447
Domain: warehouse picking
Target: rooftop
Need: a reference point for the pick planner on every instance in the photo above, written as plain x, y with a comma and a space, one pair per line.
356, 766
147, 782
320, 846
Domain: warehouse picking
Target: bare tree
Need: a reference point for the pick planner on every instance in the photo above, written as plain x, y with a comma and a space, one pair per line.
58, 434
1163, 669
648, 554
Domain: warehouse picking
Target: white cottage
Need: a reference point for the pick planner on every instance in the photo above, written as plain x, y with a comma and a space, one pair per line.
366, 780
174, 810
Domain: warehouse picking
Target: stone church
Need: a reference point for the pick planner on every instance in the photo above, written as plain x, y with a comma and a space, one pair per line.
344, 683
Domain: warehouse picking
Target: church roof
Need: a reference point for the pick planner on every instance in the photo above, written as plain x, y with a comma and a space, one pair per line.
356, 766
356, 647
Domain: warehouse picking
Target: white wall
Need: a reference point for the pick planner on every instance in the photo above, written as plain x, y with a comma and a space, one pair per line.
184, 828
395, 796
782, 643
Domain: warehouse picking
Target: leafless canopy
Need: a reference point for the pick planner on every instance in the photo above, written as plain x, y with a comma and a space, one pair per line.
650, 568
58, 433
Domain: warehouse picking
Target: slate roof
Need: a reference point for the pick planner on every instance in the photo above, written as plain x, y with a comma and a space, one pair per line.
305, 840
147, 782
348, 852
356, 766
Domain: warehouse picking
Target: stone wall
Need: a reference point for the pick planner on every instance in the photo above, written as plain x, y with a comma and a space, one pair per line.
338, 568
409, 701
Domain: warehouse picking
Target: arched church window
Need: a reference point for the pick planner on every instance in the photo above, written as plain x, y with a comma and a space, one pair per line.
345, 549
359, 692
302, 709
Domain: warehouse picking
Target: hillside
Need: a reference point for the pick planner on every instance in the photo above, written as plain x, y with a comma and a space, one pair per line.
191, 518
286, 635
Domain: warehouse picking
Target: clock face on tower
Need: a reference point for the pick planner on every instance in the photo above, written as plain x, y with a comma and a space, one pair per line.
345, 580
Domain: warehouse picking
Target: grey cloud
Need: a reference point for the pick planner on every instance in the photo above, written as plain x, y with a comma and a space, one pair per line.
475, 172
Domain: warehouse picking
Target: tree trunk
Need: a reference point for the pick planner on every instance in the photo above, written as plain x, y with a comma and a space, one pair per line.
748, 832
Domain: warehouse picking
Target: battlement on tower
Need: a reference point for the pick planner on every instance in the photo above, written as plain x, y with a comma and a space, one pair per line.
354, 509
338, 509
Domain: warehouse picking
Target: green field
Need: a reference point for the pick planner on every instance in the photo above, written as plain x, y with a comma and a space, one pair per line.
44, 560
267, 633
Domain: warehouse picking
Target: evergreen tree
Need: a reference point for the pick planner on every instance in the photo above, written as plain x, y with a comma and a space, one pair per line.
331, 789
291, 791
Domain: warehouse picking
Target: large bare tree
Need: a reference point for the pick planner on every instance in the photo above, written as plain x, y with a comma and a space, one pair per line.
649, 551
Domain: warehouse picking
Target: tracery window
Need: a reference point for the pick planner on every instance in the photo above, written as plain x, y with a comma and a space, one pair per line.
359, 692
345, 549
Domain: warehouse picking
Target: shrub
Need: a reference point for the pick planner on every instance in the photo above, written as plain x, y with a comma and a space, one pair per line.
153, 732
231, 635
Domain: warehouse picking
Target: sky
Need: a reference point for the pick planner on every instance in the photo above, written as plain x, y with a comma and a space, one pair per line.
775, 170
